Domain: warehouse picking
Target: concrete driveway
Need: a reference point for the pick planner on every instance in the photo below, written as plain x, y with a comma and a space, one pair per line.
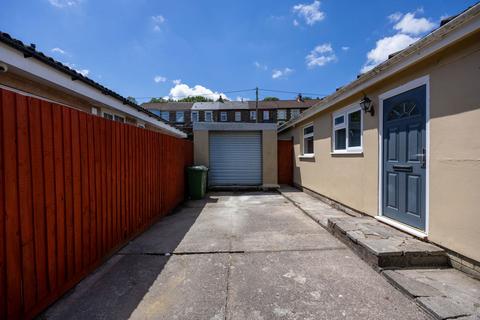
235, 256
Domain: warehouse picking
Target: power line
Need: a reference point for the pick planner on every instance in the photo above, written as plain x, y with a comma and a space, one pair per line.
203, 94
294, 92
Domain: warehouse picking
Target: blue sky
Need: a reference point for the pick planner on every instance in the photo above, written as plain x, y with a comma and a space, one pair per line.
175, 48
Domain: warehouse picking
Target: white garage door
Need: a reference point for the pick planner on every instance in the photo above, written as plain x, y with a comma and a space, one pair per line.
235, 158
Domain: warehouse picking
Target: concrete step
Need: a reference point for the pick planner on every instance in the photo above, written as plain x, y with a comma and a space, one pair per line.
380, 245
385, 247
444, 293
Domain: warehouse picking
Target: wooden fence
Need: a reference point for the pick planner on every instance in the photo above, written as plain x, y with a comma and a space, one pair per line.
285, 162
73, 188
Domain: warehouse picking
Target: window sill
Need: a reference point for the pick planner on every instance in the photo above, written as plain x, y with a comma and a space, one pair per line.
342, 153
307, 156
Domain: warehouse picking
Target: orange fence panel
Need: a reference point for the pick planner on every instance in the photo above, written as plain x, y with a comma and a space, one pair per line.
74, 187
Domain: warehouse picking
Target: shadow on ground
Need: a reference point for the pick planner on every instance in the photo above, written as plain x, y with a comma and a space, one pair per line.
115, 289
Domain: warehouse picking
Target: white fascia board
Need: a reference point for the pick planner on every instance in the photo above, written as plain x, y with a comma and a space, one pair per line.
425, 47
39, 69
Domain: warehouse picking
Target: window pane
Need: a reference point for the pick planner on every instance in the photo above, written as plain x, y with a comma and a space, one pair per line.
308, 145
179, 116
223, 116
339, 120
253, 115
308, 130
354, 129
238, 116
340, 138
108, 116
266, 115
165, 115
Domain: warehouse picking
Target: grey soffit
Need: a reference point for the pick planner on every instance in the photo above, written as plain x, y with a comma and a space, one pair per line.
241, 126
235, 158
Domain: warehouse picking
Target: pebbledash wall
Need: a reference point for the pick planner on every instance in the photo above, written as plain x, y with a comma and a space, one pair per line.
453, 160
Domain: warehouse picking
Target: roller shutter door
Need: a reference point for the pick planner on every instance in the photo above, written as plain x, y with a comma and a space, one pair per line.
235, 158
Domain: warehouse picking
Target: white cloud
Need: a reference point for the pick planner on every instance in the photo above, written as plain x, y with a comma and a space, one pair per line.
310, 12
411, 25
345, 48
260, 66
182, 90
177, 81
64, 3
83, 72
295, 22
58, 50
394, 17
281, 73
385, 47
157, 22
241, 99
159, 79
320, 56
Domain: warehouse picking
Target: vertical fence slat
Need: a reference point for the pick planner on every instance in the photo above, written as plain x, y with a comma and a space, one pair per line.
68, 185
98, 185
3, 294
59, 193
12, 223
49, 189
91, 188
38, 198
77, 191
73, 187
29, 287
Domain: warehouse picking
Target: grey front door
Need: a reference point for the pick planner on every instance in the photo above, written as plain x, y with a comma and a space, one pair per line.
404, 157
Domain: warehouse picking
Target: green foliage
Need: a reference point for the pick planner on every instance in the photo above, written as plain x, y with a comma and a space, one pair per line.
155, 100
195, 99
270, 99
132, 99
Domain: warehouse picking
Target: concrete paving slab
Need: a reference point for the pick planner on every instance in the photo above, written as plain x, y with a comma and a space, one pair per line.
112, 292
445, 293
443, 307
330, 284
189, 287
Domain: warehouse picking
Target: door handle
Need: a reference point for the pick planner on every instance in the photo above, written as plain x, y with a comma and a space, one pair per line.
402, 168
424, 158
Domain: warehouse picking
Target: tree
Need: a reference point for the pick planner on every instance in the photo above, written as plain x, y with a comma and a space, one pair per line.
195, 99
156, 100
132, 99
270, 99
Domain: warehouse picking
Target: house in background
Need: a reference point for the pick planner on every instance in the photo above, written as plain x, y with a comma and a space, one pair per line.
29, 72
402, 142
184, 114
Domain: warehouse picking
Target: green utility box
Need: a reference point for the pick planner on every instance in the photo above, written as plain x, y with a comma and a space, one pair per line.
197, 181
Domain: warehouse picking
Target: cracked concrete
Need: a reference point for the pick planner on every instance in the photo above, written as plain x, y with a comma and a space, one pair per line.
236, 256
444, 293
380, 245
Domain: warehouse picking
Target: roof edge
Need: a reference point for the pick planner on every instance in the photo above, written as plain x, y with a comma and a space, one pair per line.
443, 36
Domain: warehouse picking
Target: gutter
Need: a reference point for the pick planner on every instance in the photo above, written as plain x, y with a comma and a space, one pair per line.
454, 30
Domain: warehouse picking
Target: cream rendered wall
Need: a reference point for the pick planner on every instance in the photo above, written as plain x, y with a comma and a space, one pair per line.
200, 148
453, 162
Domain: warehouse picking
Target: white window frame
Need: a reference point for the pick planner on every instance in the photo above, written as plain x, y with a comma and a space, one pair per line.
253, 115
194, 116
267, 113
345, 112
163, 113
308, 135
118, 118
177, 114
223, 116
282, 112
208, 116
238, 116
114, 116
294, 113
